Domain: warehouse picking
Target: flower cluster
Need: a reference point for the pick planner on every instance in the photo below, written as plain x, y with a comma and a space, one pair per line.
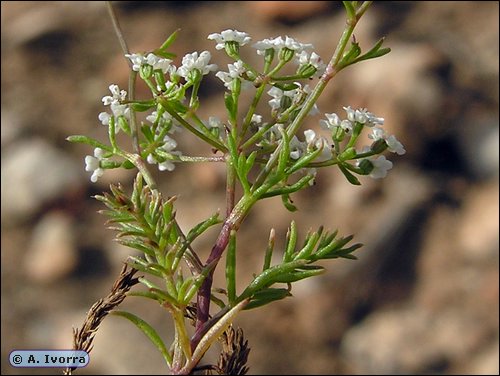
114, 101
288, 96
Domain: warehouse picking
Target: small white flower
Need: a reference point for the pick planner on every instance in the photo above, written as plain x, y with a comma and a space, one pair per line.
169, 145
236, 70
114, 102
93, 163
380, 167
194, 61
120, 109
256, 119
263, 45
292, 44
297, 148
229, 35
158, 63
117, 95
104, 117
314, 59
277, 94
137, 60
214, 122
279, 43
374, 120
165, 120
377, 134
310, 136
346, 125
315, 142
332, 121
394, 145
351, 115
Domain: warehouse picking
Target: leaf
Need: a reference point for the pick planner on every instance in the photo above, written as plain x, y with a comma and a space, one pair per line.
299, 274
287, 202
201, 227
267, 296
149, 331
376, 51
143, 105
291, 242
311, 241
231, 107
350, 177
171, 39
89, 141
269, 276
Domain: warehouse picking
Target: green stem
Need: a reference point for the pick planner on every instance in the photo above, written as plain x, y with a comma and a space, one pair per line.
182, 349
231, 269
251, 111
215, 143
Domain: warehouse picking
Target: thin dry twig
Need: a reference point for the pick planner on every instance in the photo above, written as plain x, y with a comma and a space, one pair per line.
233, 357
83, 338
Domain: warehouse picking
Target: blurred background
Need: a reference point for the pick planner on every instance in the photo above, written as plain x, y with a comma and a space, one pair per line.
423, 298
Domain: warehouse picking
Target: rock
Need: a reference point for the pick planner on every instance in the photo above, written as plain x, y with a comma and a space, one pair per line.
34, 173
52, 253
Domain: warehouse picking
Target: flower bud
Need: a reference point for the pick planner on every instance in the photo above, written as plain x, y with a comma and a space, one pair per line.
366, 166
286, 54
378, 146
307, 70
338, 134
146, 71
232, 49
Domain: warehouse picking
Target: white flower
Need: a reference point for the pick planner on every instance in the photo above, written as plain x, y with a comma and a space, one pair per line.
114, 102
292, 44
363, 116
93, 163
165, 120
119, 109
314, 59
279, 43
346, 125
315, 142
214, 122
332, 121
277, 94
263, 45
351, 115
236, 70
229, 35
380, 167
297, 148
137, 60
155, 61
117, 95
104, 117
194, 61
393, 145
377, 134
256, 119
169, 145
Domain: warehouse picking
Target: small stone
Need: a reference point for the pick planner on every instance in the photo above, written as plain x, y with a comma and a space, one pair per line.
52, 254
